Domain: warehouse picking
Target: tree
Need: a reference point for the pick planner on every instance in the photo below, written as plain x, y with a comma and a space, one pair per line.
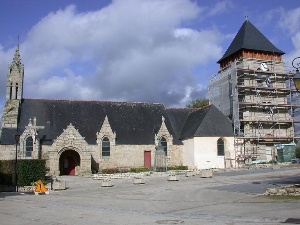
198, 103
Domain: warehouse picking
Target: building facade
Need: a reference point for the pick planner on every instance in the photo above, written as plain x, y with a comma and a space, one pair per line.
79, 137
253, 89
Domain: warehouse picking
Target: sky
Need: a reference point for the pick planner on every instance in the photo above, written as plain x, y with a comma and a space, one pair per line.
162, 51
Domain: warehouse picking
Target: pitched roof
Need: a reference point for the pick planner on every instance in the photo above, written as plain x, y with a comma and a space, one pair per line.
7, 136
177, 118
207, 122
249, 37
134, 123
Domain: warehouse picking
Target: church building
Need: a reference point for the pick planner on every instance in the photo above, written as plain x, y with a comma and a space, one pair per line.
78, 137
249, 118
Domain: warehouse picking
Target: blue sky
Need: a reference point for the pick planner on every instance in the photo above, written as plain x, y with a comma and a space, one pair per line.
133, 50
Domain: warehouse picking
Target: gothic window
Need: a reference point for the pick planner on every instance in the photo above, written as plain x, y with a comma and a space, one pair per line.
163, 142
220, 145
29, 147
105, 147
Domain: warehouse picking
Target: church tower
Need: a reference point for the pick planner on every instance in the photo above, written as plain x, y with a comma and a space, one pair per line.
14, 92
253, 89
15, 75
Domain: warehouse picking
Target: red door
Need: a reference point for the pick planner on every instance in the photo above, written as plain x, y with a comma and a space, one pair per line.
69, 166
147, 159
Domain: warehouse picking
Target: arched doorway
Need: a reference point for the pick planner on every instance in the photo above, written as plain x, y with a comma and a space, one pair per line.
69, 161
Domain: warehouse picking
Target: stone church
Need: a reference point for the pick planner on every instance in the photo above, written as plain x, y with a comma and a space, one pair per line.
76, 137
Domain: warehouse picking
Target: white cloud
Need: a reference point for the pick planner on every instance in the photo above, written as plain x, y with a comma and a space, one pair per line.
1, 111
290, 22
130, 50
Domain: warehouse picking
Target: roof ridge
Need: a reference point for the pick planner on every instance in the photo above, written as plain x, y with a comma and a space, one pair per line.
76, 100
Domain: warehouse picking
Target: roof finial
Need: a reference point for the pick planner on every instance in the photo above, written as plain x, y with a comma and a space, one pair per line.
246, 17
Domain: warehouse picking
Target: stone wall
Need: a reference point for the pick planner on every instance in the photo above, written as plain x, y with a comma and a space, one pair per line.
10, 114
7, 152
132, 156
121, 156
293, 190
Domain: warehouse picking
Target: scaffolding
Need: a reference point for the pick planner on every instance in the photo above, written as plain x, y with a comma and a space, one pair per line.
260, 103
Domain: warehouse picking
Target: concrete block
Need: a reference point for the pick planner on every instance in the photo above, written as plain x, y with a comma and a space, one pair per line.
206, 173
26, 189
107, 183
190, 173
59, 185
138, 180
275, 167
173, 178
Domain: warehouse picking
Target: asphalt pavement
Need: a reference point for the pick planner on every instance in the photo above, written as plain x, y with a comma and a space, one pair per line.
229, 197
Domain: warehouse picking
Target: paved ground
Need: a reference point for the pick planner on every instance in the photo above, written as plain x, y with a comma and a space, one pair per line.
231, 197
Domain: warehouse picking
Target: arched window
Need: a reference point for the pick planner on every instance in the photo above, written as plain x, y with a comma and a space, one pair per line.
29, 147
105, 147
163, 142
220, 144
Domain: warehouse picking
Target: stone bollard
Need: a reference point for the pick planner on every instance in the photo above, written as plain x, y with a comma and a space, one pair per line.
206, 173
138, 180
173, 177
189, 173
275, 167
107, 183
59, 185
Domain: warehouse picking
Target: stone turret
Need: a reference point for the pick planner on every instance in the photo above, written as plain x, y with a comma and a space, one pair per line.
15, 75
14, 92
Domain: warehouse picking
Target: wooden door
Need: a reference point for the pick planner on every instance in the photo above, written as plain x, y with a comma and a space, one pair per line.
69, 166
147, 159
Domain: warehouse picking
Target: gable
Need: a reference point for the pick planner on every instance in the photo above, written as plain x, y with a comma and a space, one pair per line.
207, 122
215, 124
177, 118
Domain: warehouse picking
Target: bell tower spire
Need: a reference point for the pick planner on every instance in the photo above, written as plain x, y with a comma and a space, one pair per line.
15, 76
14, 92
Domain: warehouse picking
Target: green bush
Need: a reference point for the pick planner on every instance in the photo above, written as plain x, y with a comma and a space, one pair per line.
30, 170
7, 172
177, 167
297, 152
139, 169
114, 170
273, 162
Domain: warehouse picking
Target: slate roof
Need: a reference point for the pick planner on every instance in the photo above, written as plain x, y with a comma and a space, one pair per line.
249, 37
134, 123
207, 122
177, 118
7, 136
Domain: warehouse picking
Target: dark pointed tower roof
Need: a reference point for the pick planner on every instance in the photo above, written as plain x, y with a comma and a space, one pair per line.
249, 37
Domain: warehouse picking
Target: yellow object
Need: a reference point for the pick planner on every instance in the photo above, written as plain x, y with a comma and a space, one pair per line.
40, 188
